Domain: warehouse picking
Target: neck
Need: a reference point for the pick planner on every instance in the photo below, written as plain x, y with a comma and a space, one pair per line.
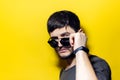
70, 63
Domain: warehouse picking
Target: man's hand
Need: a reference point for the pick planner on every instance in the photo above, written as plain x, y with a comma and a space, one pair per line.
78, 39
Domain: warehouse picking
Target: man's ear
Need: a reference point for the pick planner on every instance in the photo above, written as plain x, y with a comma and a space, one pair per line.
80, 30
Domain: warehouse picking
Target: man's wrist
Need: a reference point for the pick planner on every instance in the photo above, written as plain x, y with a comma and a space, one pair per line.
81, 48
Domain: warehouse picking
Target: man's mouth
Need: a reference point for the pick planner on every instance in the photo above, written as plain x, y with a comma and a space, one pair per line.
63, 50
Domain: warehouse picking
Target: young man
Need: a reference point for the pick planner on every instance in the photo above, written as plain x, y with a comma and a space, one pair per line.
69, 42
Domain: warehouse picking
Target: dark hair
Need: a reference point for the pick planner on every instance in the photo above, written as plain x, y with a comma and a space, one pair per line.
61, 19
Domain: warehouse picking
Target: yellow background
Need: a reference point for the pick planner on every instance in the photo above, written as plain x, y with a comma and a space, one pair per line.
24, 52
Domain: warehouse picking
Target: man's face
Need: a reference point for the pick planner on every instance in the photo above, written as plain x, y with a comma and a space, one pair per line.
58, 34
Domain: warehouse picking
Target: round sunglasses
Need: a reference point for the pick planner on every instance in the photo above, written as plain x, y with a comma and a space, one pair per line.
64, 41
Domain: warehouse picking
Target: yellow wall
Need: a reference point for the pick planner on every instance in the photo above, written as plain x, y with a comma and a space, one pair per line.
24, 52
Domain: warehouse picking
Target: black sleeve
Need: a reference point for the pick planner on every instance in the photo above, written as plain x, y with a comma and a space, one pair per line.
101, 68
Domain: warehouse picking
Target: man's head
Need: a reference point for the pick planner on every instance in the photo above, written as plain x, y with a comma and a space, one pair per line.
60, 25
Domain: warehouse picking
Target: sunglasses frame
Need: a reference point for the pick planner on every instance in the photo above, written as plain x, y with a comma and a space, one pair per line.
64, 41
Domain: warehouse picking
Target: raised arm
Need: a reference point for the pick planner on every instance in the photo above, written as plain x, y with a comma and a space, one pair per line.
84, 69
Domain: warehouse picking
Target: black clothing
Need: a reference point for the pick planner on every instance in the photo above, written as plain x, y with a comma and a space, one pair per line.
100, 66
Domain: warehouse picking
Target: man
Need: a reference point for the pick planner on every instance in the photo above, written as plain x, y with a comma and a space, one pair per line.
69, 42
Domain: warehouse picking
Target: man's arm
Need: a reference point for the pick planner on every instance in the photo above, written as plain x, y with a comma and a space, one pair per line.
84, 69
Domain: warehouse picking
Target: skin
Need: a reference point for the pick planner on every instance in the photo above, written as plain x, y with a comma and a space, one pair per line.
84, 70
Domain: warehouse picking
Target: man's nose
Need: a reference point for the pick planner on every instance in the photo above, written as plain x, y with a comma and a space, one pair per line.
59, 44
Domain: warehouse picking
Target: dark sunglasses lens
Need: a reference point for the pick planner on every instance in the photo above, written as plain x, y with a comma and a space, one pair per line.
53, 43
65, 42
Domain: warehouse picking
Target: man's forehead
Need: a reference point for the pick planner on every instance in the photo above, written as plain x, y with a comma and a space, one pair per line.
62, 31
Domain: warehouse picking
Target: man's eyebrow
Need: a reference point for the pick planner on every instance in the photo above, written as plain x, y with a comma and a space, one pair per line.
54, 37
65, 34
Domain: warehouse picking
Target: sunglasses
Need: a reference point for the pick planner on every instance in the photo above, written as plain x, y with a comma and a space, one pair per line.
64, 41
